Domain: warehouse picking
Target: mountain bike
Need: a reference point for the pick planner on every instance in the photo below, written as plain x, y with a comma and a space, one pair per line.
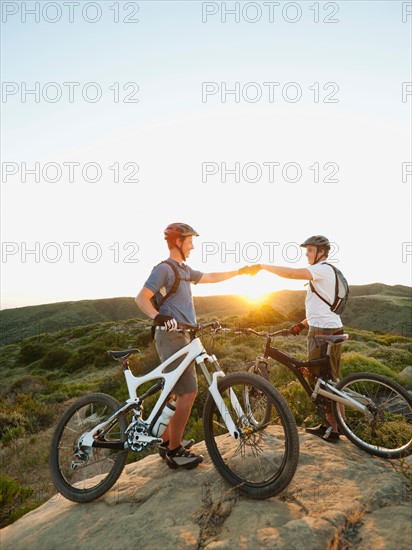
93, 437
372, 411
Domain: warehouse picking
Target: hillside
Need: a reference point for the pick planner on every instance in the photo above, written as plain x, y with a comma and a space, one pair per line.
42, 374
376, 307
334, 501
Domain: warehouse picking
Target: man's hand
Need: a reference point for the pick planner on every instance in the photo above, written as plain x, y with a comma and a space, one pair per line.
296, 329
249, 269
166, 321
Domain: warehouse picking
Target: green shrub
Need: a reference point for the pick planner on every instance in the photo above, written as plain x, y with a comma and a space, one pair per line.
12, 422
31, 352
279, 375
84, 357
395, 358
194, 429
37, 415
143, 339
263, 314
355, 362
55, 359
12, 496
78, 332
29, 385
143, 363
56, 397
299, 402
112, 383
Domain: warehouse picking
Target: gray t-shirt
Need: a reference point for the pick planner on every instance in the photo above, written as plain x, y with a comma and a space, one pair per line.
179, 304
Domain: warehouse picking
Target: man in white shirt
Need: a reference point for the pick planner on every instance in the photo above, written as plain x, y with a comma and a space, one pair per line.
319, 317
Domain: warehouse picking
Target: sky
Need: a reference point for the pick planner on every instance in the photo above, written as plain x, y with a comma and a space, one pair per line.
258, 123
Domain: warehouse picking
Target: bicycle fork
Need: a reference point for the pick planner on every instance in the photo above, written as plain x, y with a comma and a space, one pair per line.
221, 405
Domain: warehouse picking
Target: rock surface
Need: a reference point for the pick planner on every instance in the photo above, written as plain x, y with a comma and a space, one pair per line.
340, 498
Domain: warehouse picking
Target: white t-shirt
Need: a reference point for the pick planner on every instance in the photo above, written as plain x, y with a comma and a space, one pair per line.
318, 314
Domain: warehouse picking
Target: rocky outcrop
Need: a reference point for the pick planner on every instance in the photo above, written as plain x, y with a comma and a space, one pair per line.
340, 498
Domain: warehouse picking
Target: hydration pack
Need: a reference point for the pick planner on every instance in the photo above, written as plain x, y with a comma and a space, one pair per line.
157, 302
341, 291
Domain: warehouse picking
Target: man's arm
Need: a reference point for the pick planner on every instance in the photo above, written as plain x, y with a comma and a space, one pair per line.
144, 304
218, 277
289, 272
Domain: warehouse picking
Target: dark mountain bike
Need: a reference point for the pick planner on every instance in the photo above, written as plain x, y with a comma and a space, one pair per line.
372, 411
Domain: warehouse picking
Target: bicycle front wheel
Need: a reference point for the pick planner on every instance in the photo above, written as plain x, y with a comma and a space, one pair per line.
252, 394
80, 473
262, 461
386, 429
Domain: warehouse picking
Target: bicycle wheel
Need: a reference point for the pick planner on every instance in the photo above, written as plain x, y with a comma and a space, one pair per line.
252, 394
263, 460
80, 473
387, 432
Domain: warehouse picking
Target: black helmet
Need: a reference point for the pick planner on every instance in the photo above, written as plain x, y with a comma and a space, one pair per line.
320, 242
179, 231
317, 240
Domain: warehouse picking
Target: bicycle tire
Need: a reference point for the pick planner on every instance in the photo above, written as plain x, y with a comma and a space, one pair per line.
260, 370
263, 461
99, 472
388, 434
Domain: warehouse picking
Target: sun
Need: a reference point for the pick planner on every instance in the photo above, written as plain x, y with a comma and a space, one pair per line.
255, 297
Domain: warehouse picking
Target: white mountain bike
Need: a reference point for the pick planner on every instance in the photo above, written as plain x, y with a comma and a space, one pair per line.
254, 446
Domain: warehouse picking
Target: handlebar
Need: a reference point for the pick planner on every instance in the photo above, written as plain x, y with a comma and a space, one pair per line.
216, 326
283, 332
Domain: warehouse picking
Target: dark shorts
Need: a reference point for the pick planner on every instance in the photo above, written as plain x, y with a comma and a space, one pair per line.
167, 343
317, 349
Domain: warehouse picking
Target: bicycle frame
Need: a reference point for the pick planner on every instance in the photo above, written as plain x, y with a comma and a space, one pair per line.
328, 390
193, 351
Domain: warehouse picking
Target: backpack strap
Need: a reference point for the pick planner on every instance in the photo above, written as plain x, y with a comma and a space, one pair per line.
336, 287
175, 285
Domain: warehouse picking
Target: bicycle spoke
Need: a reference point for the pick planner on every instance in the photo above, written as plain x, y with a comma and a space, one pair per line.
83, 473
259, 460
387, 432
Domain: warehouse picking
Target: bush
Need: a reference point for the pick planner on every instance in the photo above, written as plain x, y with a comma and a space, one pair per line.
55, 359
194, 429
263, 314
355, 362
29, 385
37, 415
143, 339
31, 352
395, 358
299, 402
12, 496
85, 356
12, 423
111, 384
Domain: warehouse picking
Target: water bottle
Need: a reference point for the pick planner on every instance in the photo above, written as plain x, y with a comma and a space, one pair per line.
164, 419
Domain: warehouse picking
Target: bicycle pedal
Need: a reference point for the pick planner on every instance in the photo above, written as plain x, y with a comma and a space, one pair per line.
327, 432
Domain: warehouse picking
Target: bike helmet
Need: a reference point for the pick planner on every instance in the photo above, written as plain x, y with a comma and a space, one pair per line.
320, 242
179, 231
176, 231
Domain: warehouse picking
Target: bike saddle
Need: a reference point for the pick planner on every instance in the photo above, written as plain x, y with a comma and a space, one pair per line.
122, 354
332, 338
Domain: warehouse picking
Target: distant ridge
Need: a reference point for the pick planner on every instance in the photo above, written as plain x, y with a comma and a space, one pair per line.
375, 306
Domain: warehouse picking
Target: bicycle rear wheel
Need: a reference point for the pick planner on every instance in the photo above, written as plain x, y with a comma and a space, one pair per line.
387, 433
263, 460
80, 473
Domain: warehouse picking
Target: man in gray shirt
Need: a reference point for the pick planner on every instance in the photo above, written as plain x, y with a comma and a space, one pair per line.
177, 307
